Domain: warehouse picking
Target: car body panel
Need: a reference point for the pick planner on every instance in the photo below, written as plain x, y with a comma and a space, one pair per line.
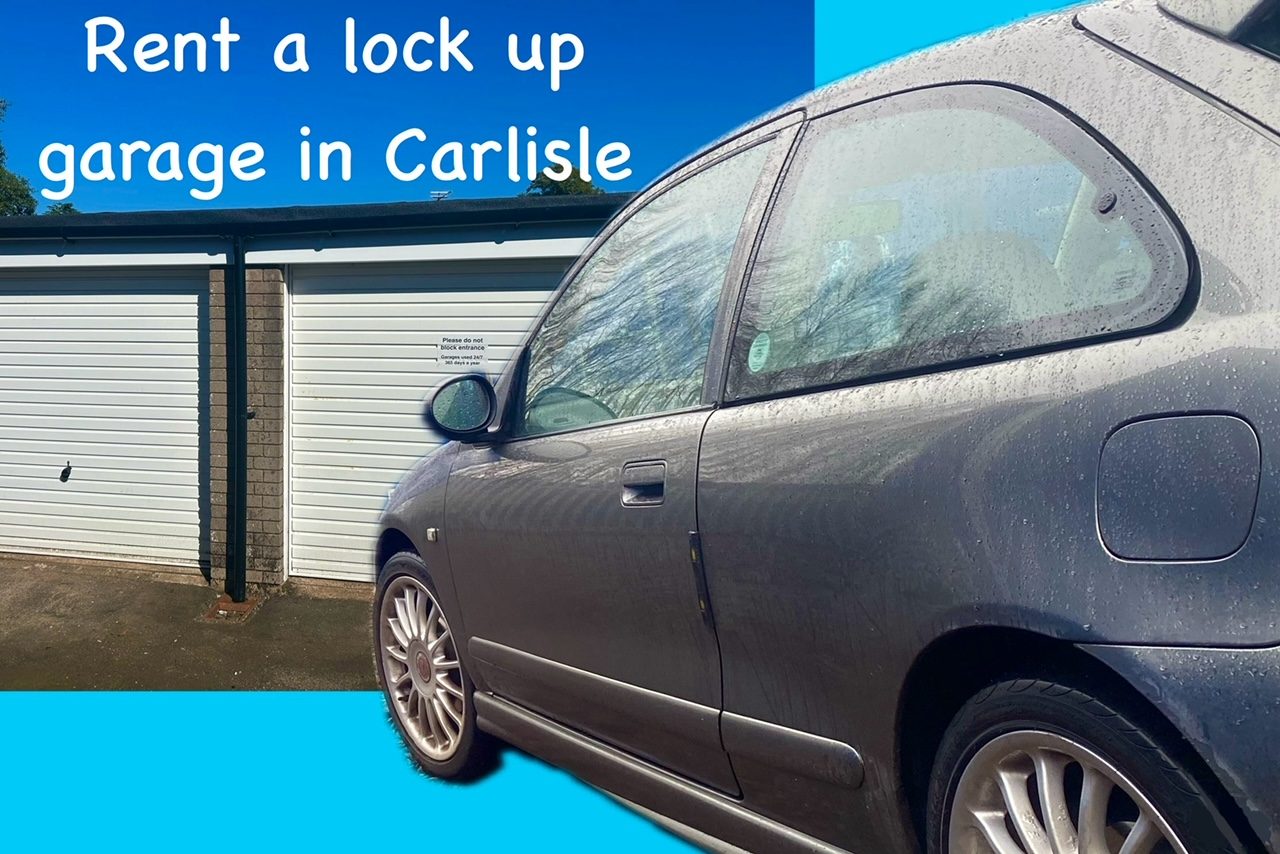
553, 564
1226, 703
620, 773
414, 505
1232, 74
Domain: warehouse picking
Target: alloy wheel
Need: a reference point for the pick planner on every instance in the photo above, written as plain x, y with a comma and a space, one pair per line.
421, 669
1034, 792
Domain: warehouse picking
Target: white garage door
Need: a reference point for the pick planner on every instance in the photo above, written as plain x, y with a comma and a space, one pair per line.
100, 418
366, 353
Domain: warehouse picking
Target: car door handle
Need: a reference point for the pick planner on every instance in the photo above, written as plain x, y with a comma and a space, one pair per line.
644, 483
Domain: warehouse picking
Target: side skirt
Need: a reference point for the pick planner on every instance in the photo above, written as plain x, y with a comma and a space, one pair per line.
633, 780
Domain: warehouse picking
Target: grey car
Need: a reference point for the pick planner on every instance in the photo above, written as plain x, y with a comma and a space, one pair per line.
900, 473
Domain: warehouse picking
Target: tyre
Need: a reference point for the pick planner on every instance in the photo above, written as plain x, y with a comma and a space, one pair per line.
427, 689
1039, 767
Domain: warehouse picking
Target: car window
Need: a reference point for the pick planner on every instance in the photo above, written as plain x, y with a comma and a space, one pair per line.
942, 225
630, 334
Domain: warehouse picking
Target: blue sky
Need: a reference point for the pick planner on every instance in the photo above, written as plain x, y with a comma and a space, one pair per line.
663, 76
851, 35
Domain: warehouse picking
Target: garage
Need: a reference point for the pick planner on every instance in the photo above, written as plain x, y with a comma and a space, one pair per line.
365, 352
233, 393
103, 437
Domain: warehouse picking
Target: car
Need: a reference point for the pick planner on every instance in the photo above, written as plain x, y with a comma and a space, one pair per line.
900, 473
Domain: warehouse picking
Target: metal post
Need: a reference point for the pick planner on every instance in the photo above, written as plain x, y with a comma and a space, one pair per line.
237, 424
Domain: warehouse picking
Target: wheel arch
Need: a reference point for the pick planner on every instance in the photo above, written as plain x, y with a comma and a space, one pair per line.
391, 542
955, 666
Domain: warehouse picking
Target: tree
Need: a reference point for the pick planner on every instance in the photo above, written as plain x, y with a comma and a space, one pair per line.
574, 185
61, 209
16, 197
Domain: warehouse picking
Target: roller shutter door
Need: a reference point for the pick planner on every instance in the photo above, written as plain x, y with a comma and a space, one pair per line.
104, 374
365, 355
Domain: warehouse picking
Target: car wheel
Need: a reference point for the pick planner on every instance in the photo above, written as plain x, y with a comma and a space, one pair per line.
426, 686
1035, 767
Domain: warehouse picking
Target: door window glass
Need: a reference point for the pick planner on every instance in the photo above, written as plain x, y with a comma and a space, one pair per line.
943, 225
630, 334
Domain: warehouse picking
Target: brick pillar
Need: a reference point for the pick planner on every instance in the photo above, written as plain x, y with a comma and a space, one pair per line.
265, 321
217, 392
265, 487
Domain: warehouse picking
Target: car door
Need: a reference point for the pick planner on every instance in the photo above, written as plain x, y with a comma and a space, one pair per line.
570, 538
910, 415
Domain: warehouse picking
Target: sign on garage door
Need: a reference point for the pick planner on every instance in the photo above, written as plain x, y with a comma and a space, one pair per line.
368, 347
101, 441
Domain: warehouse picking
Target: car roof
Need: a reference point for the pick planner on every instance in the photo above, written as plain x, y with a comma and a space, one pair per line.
1243, 80
1239, 78
918, 68
1223, 18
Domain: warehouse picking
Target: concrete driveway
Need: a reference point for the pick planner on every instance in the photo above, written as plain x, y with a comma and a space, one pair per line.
80, 628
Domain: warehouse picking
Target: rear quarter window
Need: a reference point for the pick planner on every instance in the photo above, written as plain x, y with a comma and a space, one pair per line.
944, 225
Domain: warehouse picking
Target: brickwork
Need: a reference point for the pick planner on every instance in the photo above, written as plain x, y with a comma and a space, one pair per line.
265, 312
265, 322
217, 393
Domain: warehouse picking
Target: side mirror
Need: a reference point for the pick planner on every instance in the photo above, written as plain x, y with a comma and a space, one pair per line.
463, 407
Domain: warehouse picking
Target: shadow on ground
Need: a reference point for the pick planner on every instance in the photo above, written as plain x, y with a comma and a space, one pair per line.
74, 628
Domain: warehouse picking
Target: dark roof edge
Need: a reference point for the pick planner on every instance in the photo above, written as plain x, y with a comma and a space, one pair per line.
250, 222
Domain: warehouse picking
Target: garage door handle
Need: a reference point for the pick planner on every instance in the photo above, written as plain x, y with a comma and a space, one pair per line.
644, 484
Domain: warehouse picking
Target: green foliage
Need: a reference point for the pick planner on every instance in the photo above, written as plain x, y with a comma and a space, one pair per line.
61, 209
16, 197
574, 185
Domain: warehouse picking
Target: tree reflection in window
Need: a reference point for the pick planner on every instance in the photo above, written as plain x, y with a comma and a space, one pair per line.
630, 334
918, 237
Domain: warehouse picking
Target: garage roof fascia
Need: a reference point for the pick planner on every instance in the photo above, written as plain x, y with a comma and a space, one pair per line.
533, 226
264, 222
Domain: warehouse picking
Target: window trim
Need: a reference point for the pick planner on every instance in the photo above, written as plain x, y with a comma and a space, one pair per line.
1071, 138
779, 133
